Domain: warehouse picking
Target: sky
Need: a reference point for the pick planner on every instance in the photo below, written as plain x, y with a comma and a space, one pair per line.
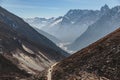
52, 8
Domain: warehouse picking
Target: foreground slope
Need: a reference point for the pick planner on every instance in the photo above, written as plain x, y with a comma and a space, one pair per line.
20, 58
25, 30
8, 71
25, 47
99, 61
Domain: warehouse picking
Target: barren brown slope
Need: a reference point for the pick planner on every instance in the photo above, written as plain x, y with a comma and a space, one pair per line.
23, 29
99, 61
9, 71
19, 56
25, 47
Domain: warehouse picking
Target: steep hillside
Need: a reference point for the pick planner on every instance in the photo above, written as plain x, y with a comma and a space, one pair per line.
9, 71
29, 33
22, 53
105, 25
98, 61
25, 47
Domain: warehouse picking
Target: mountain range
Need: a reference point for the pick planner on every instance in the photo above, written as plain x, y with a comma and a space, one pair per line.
39, 22
73, 23
79, 28
109, 22
31, 52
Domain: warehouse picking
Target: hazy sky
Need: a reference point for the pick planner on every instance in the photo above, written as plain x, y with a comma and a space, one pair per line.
51, 8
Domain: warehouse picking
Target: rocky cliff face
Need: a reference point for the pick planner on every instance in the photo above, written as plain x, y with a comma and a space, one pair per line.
98, 61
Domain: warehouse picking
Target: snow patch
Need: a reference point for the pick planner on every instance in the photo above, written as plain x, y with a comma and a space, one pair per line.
72, 22
67, 17
56, 22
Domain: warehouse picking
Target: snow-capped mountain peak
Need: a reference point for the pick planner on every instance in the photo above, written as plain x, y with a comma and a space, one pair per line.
58, 20
39, 22
105, 7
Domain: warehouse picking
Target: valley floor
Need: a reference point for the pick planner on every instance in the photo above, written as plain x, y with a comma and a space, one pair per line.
50, 71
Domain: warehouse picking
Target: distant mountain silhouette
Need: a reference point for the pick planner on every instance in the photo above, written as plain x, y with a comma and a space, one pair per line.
109, 22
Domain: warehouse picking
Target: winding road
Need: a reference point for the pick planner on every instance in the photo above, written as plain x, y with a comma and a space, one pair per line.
49, 75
